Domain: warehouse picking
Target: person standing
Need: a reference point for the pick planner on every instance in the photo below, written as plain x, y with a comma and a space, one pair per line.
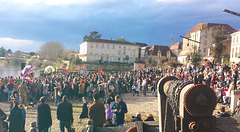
84, 113
235, 76
119, 108
23, 90
57, 93
65, 114
10, 87
96, 112
16, 119
3, 124
44, 119
24, 115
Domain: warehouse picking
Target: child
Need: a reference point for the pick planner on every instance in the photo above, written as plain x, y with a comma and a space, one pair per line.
84, 113
109, 113
11, 101
16, 97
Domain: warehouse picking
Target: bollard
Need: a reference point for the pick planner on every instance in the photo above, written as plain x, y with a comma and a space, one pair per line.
89, 125
33, 127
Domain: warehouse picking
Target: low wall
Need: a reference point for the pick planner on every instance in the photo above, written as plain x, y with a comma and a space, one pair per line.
109, 66
228, 124
224, 124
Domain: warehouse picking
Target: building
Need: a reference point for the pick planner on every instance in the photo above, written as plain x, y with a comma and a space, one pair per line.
103, 50
202, 33
235, 47
176, 48
158, 55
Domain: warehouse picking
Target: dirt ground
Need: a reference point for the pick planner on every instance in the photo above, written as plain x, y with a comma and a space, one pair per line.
137, 104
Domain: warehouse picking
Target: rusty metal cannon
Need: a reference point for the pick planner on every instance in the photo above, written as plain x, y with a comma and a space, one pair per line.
185, 106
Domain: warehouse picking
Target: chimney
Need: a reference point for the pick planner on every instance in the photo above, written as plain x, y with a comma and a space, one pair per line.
171, 41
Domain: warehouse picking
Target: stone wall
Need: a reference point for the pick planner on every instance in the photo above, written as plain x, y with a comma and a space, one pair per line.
109, 66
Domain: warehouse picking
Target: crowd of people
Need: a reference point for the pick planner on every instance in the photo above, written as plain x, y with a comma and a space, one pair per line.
102, 88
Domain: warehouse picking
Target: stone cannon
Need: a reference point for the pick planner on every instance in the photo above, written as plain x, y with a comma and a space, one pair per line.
185, 106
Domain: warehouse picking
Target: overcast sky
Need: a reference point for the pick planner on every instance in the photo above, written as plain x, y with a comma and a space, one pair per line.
26, 24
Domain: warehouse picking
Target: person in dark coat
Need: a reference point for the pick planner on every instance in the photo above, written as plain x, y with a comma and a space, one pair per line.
65, 114
3, 124
138, 117
96, 112
235, 77
16, 119
84, 113
119, 108
150, 118
223, 113
44, 119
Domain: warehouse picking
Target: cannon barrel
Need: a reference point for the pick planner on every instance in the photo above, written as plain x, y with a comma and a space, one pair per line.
187, 101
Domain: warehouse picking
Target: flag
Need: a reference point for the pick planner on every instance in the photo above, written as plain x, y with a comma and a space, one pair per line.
100, 71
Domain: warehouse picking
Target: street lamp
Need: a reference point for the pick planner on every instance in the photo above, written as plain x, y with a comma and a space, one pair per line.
231, 12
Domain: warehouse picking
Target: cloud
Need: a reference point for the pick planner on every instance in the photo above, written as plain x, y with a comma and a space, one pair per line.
20, 44
63, 2
177, 1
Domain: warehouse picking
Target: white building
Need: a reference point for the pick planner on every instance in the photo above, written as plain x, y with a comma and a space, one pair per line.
108, 51
235, 47
203, 33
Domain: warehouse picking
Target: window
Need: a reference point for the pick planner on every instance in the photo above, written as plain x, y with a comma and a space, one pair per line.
113, 52
113, 46
91, 44
134, 47
206, 35
96, 45
205, 42
113, 59
108, 45
119, 46
119, 52
91, 50
129, 47
96, 58
102, 45
232, 52
90, 58
96, 51
108, 51
124, 47
236, 53
119, 59
129, 52
102, 51
133, 60
204, 50
187, 44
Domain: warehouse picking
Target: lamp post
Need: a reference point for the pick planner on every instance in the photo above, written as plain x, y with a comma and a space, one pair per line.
231, 12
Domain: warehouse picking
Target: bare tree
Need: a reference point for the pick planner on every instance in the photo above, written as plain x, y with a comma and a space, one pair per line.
66, 53
51, 50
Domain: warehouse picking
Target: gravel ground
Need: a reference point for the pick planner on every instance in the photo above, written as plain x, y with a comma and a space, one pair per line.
142, 104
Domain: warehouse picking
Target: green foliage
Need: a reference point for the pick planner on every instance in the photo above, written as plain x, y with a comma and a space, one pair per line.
2, 52
205, 60
32, 53
71, 65
9, 51
121, 39
195, 55
93, 35
59, 62
218, 47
